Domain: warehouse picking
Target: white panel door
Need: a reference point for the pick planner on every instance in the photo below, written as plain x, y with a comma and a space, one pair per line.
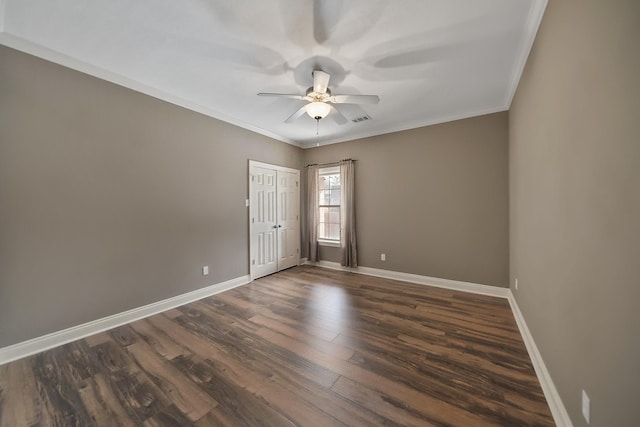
288, 209
274, 220
264, 225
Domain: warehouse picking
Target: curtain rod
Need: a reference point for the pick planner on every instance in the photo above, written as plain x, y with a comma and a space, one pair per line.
330, 164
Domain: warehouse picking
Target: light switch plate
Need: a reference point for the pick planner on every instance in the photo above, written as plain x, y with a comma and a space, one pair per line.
205, 270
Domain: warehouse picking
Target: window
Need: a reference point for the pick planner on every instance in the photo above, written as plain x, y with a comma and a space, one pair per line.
329, 204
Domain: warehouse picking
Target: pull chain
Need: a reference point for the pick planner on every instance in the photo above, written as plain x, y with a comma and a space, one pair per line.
317, 132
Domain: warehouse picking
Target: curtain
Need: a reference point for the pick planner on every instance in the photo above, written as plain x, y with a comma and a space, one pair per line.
348, 252
312, 212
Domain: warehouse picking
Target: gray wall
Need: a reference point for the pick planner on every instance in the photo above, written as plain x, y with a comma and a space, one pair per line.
110, 199
575, 204
433, 199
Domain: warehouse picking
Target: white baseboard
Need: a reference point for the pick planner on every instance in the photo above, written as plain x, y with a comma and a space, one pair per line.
474, 288
36, 345
55, 339
559, 412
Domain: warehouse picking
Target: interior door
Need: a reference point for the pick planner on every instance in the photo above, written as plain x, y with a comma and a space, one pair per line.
274, 220
264, 225
288, 210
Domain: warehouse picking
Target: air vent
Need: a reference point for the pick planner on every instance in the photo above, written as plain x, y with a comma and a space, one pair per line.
361, 119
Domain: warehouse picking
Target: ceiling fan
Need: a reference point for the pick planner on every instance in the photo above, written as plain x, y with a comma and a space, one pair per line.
320, 100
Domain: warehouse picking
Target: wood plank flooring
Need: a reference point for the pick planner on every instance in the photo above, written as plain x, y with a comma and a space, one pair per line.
307, 346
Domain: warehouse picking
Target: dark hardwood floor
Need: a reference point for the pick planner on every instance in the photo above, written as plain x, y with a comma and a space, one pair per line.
306, 346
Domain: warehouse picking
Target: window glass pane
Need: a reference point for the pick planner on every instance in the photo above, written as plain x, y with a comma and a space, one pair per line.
335, 197
329, 224
329, 195
323, 230
334, 215
328, 181
327, 198
334, 231
324, 197
324, 215
323, 182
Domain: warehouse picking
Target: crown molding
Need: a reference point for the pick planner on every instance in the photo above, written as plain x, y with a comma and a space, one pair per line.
413, 125
534, 18
34, 49
536, 12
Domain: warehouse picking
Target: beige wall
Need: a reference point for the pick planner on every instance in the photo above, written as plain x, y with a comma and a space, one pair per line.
110, 199
575, 204
433, 199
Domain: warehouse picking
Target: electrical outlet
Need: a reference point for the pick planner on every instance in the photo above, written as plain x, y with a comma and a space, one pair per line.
586, 406
205, 270
383, 257
516, 283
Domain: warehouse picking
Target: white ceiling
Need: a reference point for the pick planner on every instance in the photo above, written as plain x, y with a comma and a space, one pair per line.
430, 61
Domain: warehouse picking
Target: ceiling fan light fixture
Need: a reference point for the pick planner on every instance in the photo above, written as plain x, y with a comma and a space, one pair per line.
317, 110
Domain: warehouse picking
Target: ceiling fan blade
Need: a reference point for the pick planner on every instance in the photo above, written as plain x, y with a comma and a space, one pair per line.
295, 116
284, 95
355, 99
320, 81
337, 116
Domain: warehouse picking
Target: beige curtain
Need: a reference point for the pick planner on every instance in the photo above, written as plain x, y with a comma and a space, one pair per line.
348, 252
312, 212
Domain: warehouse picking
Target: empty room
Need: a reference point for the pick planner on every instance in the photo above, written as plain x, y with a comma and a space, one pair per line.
319, 213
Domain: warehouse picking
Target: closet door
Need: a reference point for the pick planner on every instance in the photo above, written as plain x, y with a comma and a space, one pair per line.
274, 218
288, 209
264, 224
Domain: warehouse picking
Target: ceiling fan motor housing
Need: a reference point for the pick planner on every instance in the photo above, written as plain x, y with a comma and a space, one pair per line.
318, 97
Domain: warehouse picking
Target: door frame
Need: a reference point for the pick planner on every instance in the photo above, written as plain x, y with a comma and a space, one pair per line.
253, 163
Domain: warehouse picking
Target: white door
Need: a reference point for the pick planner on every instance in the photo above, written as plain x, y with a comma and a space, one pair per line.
288, 218
264, 225
274, 220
